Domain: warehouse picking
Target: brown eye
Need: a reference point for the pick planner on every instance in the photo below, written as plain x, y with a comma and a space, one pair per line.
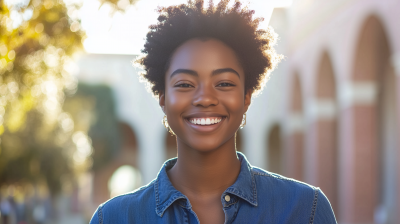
225, 84
183, 85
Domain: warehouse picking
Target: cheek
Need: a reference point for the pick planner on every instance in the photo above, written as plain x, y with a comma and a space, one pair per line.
234, 103
175, 102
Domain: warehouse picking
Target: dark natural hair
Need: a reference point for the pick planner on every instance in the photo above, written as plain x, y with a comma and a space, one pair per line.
234, 26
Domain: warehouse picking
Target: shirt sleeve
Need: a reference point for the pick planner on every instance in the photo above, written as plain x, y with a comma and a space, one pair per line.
323, 210
95, 218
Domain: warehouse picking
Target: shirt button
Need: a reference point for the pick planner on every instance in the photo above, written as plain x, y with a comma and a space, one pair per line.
227, 198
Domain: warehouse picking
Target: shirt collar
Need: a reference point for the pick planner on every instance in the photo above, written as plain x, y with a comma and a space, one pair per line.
245, 185
165, 194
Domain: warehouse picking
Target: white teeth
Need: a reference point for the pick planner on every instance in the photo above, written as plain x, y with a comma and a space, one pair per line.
205, 121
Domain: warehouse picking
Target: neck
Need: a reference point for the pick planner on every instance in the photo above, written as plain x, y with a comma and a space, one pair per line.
205, 173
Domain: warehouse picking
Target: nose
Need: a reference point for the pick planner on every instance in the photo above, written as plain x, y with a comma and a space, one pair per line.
205, 97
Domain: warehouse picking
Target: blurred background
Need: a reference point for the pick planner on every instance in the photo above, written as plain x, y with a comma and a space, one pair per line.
77, 127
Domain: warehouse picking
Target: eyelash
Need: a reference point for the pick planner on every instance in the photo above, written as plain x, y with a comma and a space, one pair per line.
229, 84
219, 85
181, 85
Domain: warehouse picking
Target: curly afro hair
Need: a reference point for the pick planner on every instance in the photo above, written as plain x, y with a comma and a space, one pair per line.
234, 26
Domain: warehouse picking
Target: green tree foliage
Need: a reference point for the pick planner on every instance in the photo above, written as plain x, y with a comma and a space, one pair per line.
36, 44
39, 141
95, 104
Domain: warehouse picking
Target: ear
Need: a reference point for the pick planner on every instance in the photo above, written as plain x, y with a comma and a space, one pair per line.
161, 100
247, 99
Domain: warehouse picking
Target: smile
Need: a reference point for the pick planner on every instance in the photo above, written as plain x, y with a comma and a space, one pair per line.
205, 120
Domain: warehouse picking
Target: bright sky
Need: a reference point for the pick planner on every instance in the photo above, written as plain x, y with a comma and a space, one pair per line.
125, 33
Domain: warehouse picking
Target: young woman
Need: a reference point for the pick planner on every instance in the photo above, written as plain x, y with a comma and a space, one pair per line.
204, 64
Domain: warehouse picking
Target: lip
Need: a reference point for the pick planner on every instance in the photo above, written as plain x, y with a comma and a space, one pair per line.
204, 114
204, 128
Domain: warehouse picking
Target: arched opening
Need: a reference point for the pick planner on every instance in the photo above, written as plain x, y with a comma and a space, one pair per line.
170, 146
275, 156
294, 155
129, 148
326, 131
125, 159
389, 146
373, 130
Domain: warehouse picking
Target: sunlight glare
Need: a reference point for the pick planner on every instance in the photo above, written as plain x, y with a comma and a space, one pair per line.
126, 178
124, 33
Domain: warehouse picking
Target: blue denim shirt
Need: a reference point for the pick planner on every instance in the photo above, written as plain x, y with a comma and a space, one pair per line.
257, 196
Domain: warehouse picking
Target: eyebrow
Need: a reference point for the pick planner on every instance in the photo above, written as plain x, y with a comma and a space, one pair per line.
223, 70
194, 73
184, 71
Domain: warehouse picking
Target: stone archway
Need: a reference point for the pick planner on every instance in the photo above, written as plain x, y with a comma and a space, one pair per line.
294, 155
365, 190
127, 155
275, 153
389, 147
325, 129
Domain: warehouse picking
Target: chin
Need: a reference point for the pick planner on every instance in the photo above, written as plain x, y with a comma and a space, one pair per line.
206, 144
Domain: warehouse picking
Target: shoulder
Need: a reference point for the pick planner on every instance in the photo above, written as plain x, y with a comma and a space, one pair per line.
130, 204
138, 196
281, 183
299, 195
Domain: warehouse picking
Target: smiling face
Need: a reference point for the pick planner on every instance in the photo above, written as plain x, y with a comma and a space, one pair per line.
204, 97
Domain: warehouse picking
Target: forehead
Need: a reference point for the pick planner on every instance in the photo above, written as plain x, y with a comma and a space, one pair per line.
204, 54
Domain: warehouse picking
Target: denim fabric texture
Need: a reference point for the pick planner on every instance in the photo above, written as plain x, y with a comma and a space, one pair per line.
257, 196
